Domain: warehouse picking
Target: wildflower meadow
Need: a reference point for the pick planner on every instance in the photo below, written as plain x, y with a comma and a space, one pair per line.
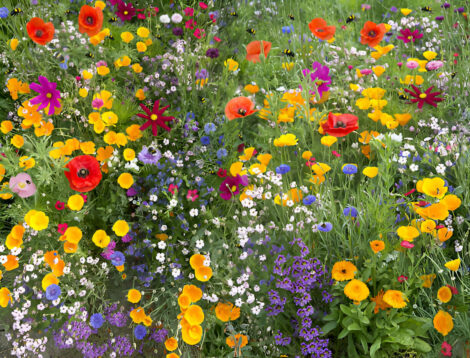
246, 178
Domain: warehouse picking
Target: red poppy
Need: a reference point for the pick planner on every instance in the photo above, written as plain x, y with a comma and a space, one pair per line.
90, 20
39, 31
372, 33
321, 30
84, 173
239, 107
340, 125
253, 50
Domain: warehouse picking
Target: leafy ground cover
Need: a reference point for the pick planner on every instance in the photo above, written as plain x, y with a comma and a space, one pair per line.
234, 178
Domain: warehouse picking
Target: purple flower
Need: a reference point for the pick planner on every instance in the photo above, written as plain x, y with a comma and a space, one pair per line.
125, 11
439, 18
320, 76
408, 36
48, 95
177, 31
23, 185
149, 155
229, 187
212, 53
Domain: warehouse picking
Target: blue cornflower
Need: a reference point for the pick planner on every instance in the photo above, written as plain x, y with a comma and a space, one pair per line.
287, 29
4, 12
96, 320
53, 291
190, 115
325, 227
140, 332
349, 169
117, 258
209, 127
283, 169
309, 200
64, 64
350, 211
205, 140
221, 153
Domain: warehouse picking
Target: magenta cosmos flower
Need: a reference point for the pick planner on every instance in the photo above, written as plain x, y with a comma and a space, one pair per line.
155, 118
424, 97
48, 95
126, 11
407, 35
230, 186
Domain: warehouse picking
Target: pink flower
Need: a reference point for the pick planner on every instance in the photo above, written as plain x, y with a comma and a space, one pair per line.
412, 65
407, 244
446, 349
61, 228
141, 16
59, 205
192, 195
85, 197
173, 188
402, 278
189, 11
199, 33
217, 39
97, 103
23, 185
335, 153
202, 5
190, 24
366, 71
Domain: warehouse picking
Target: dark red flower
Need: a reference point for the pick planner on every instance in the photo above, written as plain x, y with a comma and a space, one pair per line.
453, 290
125, 11
222, 173
84, 173
446, 349
402, 278
155, 118
424, 97
230, 186
341, 125
59, 205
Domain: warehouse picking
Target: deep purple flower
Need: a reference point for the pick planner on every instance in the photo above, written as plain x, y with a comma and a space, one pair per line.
177, 31
439, 18
125, 11
320, 76
408, 35
446, 5
212, 53
48, 95
230, 186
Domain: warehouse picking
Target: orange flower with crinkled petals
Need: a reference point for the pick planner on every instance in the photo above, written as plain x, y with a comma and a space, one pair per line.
90, 20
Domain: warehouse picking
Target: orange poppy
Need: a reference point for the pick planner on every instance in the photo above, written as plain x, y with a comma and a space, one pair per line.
321, 30
90, 20
253, 50
39, 31
239, 107
372, 33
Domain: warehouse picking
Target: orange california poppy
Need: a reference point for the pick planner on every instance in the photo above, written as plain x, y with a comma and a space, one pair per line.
39, 31
253, 50
239, 107
90, 20
372, 33
321, 30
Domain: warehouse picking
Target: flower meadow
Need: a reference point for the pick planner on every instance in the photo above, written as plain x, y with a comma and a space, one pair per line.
234, 178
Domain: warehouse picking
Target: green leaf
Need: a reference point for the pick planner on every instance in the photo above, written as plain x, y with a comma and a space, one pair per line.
364, 320
343, 333
354, 327
364, 344
352, 352
421, 346
331, 317
345, 309
329, 327
375, 347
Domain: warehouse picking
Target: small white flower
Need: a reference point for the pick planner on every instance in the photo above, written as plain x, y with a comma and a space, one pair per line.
176, 18
165, 19
161, 245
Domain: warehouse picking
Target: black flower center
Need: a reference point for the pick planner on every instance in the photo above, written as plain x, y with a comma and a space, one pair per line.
90, 20
340, 124
83, 173
39, 33
343, 271
372, 33
242, 111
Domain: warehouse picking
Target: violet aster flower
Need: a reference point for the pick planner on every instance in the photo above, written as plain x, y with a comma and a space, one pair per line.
320, 76
408, 35
125, 11
48, 95
149, 155
23, 185
212, 53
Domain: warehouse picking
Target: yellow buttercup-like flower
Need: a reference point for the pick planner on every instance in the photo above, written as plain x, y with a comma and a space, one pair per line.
76, 202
